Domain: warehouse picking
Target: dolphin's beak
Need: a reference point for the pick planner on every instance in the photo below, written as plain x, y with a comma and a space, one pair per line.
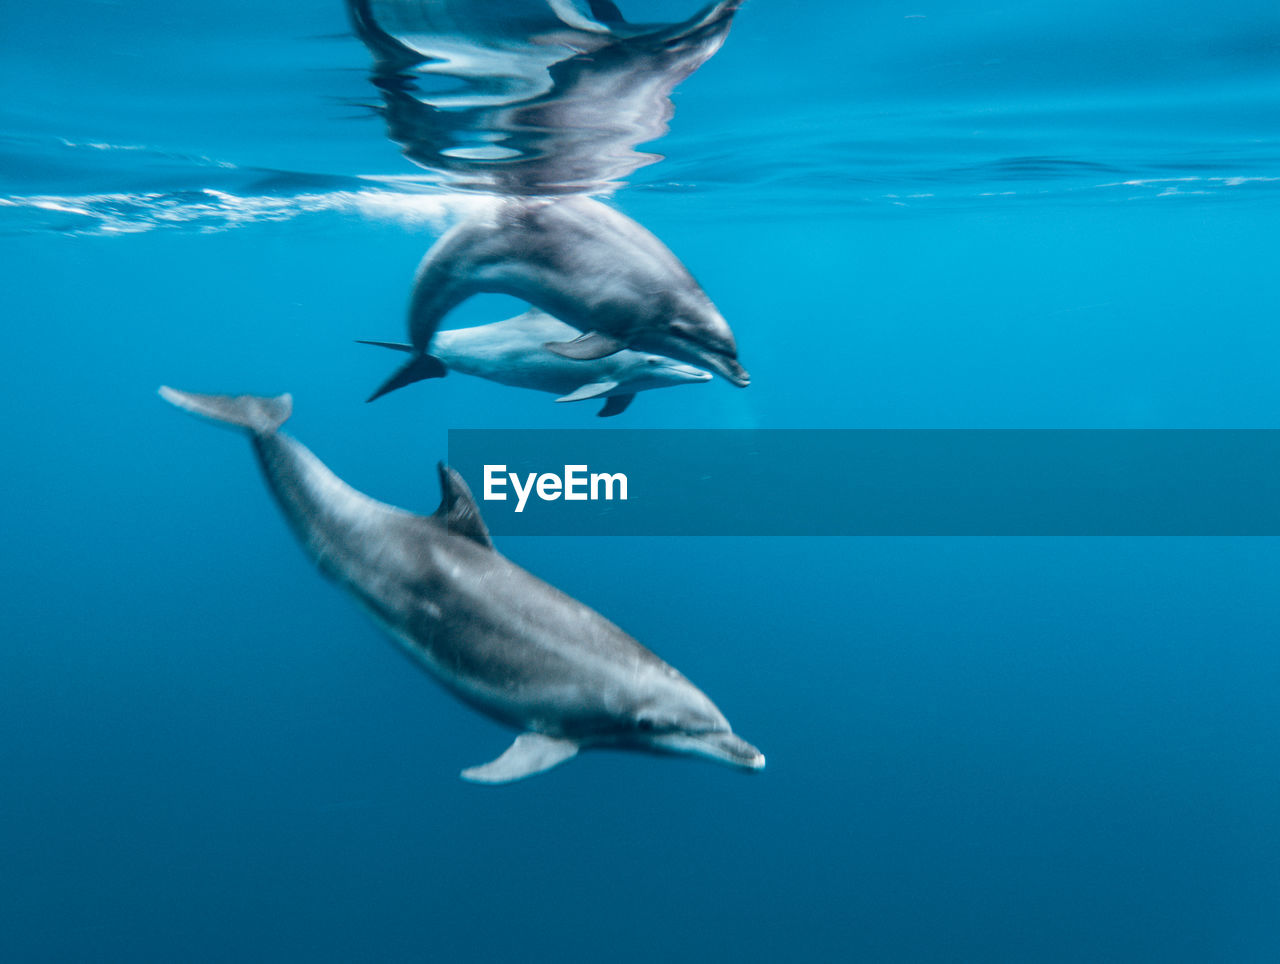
685, 373
730, 369
689, 348
722, 746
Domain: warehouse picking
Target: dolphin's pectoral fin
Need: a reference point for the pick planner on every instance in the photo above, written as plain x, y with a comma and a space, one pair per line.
414, 370
458, 510
530, 753
586, 347
593, 390
615, 405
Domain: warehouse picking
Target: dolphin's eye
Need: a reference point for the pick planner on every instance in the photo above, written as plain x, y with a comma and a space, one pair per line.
653, 360
646, 725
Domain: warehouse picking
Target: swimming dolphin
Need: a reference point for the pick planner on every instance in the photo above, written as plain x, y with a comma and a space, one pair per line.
512, 352
584, 263
500, 639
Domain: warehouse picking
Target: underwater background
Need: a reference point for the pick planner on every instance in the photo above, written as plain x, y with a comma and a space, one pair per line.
949, 214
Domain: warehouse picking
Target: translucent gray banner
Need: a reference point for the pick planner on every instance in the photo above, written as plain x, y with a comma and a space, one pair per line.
866, 482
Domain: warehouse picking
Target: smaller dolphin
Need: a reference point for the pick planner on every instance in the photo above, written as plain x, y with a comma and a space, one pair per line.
513, 352
586, 264
500, 639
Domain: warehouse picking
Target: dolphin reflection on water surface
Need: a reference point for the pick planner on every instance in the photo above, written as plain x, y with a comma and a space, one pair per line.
529, 97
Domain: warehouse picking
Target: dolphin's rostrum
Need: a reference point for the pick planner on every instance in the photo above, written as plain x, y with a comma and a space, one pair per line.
500, 639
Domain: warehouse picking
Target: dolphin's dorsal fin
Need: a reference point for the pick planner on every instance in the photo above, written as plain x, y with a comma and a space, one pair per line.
592, 390
530, 753
616, 405
458, 509
588, 347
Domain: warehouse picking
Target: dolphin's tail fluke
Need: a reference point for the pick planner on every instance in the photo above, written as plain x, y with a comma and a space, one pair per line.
261, 416
416, 369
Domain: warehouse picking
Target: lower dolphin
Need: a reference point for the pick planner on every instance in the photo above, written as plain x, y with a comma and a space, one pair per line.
512, 352
585, 263
502, 640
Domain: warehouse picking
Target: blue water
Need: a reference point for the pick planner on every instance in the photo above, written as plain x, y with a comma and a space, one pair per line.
948, 214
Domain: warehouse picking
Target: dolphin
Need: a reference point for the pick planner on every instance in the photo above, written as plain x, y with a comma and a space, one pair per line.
500, 639
512, 352
584, 263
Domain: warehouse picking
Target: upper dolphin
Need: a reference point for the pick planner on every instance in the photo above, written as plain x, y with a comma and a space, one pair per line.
583, 262
514, 352
500, 639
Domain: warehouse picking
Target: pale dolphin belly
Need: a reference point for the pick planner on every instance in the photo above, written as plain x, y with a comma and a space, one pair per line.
513, 352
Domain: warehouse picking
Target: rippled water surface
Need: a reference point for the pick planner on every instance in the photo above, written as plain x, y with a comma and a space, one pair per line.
947, 214
157, 115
